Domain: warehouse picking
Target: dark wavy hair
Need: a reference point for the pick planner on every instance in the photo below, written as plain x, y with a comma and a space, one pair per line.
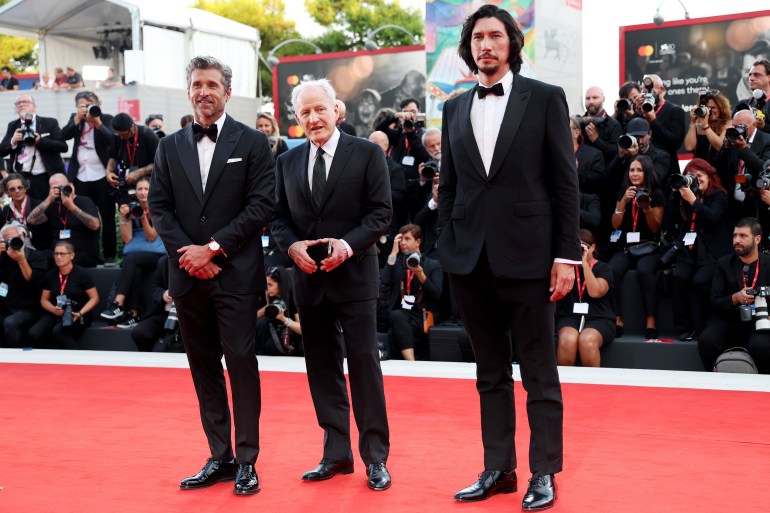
650, 180
714, 181
515, 36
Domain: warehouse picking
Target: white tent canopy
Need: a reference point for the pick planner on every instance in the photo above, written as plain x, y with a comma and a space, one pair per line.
162, 38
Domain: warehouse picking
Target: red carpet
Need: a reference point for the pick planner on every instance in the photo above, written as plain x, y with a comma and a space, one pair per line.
115, 439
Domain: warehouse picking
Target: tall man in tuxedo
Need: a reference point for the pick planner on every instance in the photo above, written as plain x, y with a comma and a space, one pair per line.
508, 236
211, 197
332, 205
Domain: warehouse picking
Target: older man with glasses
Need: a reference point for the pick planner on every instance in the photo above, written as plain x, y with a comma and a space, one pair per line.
16, 186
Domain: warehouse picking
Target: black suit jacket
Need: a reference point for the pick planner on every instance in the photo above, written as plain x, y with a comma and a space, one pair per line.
526, 211
50, 146
728, 279
590, 168
103, 141
430, 293
235, 207
356, 207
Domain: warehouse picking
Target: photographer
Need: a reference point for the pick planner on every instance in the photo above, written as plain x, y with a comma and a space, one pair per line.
397, 194
666, 119
141, 251
601, 131
71, 217
16, 186
159, 328
636, 221
68, 296
279, 332
21, 276
404, 131
759, 84
585, 318
133, 153
696, 219
155, 123
590, 161
92, 143
625, 106
34, 145
739, 276
412, 286
709, 120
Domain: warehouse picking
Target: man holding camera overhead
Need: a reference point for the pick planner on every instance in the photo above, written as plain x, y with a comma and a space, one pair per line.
667, 120
92, 145
72, 218
35, 145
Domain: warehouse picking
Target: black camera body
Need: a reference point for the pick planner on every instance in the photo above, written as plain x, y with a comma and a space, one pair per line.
413, 260
677, 181
276, 306
669, 257
736, 132
135, 209
429, 170
123, 194
410, 126
587, 120
701, 111
94, 110
624, 104
67, 319
763, 291
172, 321
27, 134
64, 190
15, 243
643, 199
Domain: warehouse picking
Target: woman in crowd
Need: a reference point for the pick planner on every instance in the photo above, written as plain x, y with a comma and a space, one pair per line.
636, 223
269, 126
706, 134
696, 220
69, 295
279, 332
141, 251
585, 318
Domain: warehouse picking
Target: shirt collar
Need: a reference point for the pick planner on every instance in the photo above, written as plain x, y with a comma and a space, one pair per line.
507, 81
329, 147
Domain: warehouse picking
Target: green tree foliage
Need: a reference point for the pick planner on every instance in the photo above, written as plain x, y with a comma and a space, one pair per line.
349, 22
17, 53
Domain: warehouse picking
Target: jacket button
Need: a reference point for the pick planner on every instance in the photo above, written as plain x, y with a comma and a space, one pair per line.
203, 219
318, 220
488, 186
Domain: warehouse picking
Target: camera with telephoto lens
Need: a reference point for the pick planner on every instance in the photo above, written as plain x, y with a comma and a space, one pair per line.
172, 320
413, 260
669, 256
429, 170
760, 307
94, 111
15, 243
67, 319
624, 104
411, 126
160, 133
123, 194
736, 132
643, 199
587, 120
276, 307
649, 98
677, 181
701, 111
136, 210
27, 134
626, 141
64, 190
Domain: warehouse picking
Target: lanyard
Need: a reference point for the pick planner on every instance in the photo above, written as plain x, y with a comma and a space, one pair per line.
692, 223
634, 213
84, 132
582, 288
63, 219
21, 216
662, 103
754, 281
63, 282
409, 278
132, 154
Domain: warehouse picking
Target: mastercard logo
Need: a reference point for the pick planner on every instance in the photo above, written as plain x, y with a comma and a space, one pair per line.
292, 80
296, 131
645, 51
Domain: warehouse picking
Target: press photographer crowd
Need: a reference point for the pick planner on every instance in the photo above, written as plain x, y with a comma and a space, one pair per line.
699, 235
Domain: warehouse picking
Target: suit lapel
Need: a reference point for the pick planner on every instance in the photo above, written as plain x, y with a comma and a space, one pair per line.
302, 172
341, 157
226, 143
514, 113
187, 149
466, 131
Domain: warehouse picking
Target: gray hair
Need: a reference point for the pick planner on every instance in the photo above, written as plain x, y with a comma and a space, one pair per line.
13, 225
208, 62
428, 132
89, 96
323, 83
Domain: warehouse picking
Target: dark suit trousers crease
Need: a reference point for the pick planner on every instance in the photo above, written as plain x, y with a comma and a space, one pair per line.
215, 322
496, 310
100, 193
324, 358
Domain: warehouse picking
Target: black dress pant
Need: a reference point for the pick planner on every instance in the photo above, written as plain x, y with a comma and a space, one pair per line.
326, 377
407, 332
48, 332
721, 335
621, 262
216, 322
496, 310
148, 331
691, 293
130, 280
102, 194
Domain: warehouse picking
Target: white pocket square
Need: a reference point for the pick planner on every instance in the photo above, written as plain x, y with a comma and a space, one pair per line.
230, 161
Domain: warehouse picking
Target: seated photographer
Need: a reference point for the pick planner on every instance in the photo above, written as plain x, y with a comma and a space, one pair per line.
696, 220
71, 217
279, 332
709, 120
269, 126
92, 143
585, 318
636, 223
738, 300
17, 210
141, 251
159, 328
412, 286
69, 295
21, 277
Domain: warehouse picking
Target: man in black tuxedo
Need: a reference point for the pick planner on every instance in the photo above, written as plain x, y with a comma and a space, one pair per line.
508, 236
35, 159
332, 205
668, 124
211, 197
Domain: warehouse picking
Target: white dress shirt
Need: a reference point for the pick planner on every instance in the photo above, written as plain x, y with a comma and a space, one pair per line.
29, 156
206, 151
90, 167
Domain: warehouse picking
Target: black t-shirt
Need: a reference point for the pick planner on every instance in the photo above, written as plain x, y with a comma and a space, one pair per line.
657, 199
85, 241
598, 308
75, 79
9, 83
23, 294
75, 285
136, 151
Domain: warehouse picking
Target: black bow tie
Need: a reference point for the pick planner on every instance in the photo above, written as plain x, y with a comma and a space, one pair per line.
496, 89
200, 132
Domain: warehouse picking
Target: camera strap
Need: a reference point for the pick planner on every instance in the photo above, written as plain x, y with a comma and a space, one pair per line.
84, 133
66, 216
63, 282
692, 222
131, 154
756, 275
582, 287
634, 213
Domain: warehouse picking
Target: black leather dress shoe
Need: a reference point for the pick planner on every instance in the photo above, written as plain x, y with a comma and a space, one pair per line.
246, 481
541, 493
328, 469
214, 471
379, 477
490, 482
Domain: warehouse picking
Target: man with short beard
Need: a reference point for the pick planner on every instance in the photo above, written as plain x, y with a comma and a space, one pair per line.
733, 295
602, 133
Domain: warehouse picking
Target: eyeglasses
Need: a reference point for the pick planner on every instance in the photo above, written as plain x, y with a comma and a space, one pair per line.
709, 93
21, 102
60, 253
14, 189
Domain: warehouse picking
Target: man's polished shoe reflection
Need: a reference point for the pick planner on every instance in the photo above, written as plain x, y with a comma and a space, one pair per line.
246, 480
490, 482
541, 493
378, 477
214, 471
327, 469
